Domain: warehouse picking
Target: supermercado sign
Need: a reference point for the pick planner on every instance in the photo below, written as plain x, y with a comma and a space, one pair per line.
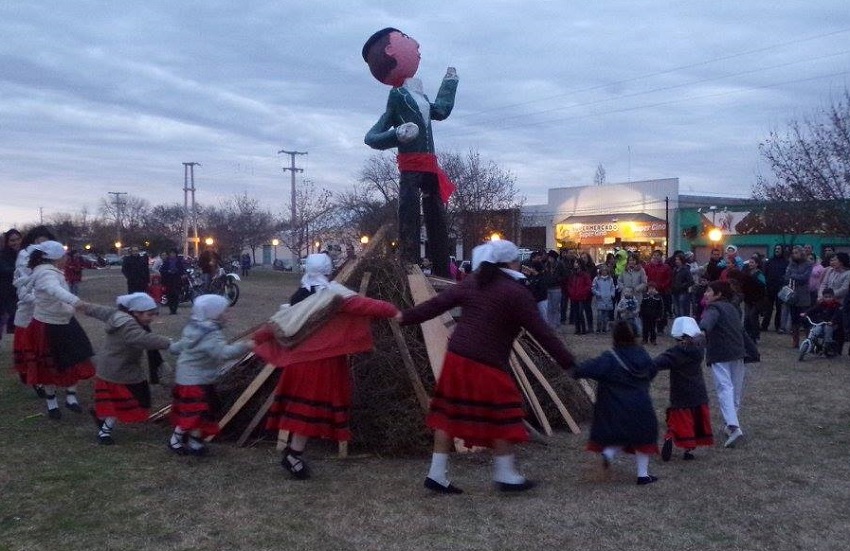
625, 230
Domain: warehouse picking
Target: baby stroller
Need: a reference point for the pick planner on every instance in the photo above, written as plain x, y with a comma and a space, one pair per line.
815, 343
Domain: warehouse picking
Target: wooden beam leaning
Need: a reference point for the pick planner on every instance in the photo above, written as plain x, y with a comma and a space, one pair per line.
435, 331
246, 396
256, 420
525, 359
525, 386
584, 384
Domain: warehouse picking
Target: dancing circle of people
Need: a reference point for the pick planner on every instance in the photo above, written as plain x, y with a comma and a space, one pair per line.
475, 399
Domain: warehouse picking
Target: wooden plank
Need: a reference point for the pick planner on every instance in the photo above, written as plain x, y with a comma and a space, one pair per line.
256, 420
364, 283
374, 244
160, 413
407, 359
525, 386
246, 395
582, 383
524, 357
434, 331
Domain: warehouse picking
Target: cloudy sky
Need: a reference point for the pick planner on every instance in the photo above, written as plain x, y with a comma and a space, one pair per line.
100, 96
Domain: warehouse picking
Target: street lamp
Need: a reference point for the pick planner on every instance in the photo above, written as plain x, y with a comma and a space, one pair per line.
495, 236
364, 240
118, 245
275, 243
318, 244
209, 241
715, 235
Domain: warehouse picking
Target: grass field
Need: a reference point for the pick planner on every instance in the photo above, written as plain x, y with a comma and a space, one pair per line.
787, 487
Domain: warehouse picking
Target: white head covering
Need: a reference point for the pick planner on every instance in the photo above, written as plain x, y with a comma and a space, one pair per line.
53, 250
478, 254
209, 307
499, 252
731, 249
136, 302
317, 268
684, 326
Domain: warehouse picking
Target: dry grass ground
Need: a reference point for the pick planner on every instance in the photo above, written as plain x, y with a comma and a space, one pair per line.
788, 487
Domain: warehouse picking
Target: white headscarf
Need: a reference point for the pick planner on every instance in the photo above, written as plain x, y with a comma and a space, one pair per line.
53, 250
479, 253
209, 307
500, 252
317, 268
136, 302
684, 326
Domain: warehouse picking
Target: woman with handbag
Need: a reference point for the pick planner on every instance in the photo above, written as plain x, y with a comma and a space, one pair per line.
798, 273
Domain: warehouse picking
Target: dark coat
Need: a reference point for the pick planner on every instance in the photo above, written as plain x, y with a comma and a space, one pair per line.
724, 332
774, 274
135, 269
652, 308
623, 414
687, 386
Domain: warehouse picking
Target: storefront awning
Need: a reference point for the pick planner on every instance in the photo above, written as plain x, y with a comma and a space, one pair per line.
601, 229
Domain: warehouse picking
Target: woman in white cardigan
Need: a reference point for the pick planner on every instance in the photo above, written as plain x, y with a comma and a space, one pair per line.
62, 349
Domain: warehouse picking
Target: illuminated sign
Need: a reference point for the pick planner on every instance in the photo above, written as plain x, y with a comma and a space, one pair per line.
606, 232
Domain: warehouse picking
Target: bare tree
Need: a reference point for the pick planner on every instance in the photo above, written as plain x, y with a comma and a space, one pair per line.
380, 176
315, 210
810, 162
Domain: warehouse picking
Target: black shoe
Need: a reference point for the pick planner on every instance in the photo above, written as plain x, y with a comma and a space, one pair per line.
295, 465
521, 487
39, 391
197, 447
105, 440
643, 480
76, 407
667, 449
54, 414
435, 486
688, 456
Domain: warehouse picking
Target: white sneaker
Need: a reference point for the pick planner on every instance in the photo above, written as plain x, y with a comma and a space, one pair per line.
734, 436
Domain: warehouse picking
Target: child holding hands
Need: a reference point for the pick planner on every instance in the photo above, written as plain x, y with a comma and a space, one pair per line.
200, 351
121, 390
688, 417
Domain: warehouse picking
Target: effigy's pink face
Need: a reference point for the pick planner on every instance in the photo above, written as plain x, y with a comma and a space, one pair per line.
405, 51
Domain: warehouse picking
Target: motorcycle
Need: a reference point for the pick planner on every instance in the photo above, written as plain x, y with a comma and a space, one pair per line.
191, 286
225, 284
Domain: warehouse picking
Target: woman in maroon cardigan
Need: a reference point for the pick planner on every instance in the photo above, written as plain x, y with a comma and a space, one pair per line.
476, 398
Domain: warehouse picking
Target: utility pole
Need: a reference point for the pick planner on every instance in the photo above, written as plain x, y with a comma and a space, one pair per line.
189, 178
41, 215
293, 169
119, 204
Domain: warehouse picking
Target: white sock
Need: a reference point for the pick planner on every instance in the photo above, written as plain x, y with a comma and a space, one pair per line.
177, 438
298, 442
610, 452
504, 470
52, 403
107, 426
642, 463
71, 395
439, 468
195, 441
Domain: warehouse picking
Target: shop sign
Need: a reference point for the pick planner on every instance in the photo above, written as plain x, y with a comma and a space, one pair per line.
625, 230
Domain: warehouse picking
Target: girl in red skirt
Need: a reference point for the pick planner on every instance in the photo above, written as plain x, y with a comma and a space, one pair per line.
688, 417
476, 398
201, 350
313, 396
62, 350
121, 391
623, 416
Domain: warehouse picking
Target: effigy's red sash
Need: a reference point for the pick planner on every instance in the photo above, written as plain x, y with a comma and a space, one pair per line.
427, 162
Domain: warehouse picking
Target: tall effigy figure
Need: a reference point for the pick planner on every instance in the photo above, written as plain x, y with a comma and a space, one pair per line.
393, 59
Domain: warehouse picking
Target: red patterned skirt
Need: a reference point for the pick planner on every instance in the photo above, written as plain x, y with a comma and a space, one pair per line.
62, 361
195, 408
313, 399
22, 352
476, 402
129, 403
647, 449
690, 427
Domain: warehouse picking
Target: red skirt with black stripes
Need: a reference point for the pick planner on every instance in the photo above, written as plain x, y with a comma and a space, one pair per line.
690, 427
313, 399
195, 408
477, 402
129, 403
44, 367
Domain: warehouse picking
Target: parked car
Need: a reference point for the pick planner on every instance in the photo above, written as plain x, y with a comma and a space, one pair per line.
282, 265
112, 259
